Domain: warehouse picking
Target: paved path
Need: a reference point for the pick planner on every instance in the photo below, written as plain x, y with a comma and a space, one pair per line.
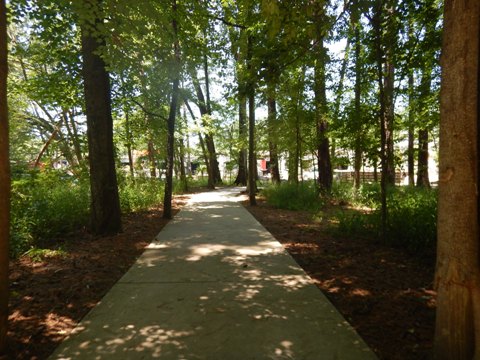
214, 285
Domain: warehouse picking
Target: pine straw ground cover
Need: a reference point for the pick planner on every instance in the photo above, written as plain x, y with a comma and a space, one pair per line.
385, 293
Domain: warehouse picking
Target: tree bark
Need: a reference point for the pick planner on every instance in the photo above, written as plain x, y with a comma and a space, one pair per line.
241, 178
457, 280
272, 141
167, 199
423, 179
4, 181
240, 49
252, 159
214, 177
151, 159
325, 175
411, 131
105, 204
358, 93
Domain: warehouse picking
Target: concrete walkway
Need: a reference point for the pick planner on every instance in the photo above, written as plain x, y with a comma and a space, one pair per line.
214, 285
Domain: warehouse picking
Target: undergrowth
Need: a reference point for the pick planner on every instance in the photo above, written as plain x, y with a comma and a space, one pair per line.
412, 212
49, 203
291, 196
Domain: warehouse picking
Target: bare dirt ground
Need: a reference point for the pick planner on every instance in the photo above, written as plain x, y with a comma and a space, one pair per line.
385, 293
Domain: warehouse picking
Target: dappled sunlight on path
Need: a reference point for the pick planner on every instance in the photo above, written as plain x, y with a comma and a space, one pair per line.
214, 284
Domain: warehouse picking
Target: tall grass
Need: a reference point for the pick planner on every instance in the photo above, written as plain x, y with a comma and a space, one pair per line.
412, 216
291, 196
47, 204
139, 193
44, 205
412, 212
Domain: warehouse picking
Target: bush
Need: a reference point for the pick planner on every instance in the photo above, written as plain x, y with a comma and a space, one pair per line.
412, 217
44, 205
140, 193
367, 195
291, 196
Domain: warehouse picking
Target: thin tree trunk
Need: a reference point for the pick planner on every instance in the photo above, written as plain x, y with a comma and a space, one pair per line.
252, 161
411, 119
4, 181
358, 93
457, 280
167, 199
272, 119
151, 159
73, 134
129, 144
200, 138
241, 178
423, 179
105, 204
214, 170
239, 45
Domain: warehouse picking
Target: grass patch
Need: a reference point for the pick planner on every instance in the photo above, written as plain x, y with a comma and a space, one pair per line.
291, 196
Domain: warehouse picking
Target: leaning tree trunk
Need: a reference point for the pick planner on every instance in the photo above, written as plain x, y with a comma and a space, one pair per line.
457, 332
4, 181
105, 203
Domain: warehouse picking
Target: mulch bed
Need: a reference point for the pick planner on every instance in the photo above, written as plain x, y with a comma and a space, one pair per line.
49, 296
384, 292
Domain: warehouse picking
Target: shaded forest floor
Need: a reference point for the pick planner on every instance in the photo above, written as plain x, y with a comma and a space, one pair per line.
384, 293
50, 293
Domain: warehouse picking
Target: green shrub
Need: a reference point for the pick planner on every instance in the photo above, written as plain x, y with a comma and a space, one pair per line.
140, 194
291, 196
44, 205
411, 223
367, 195
412, 218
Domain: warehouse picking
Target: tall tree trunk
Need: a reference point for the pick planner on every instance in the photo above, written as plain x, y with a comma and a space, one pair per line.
129, 144
167, 198
75, 137
411, 131
4, 181
105, 204
217, 177
272, 133
152, 164
213, 170
358, 93
241, 178
457, 332
252, 159
389, 121
385, 44
423, 179
325, 175
202, 142
411, 105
